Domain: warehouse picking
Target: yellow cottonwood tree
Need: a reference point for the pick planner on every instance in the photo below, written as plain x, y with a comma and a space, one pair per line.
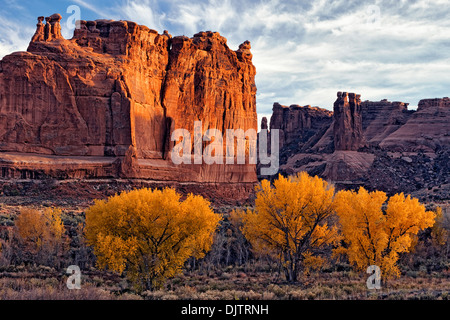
290, 221
40, 230
376, 232
150, 233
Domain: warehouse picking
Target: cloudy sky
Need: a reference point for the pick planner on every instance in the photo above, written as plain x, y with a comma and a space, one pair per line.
304, 50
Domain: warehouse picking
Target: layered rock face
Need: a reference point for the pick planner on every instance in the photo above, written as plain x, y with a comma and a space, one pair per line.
378, 144
296, 123
381, 118
105, 103
427, 129
207, 81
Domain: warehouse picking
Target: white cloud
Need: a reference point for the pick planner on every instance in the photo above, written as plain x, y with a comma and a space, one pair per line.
214, 15
401, 57
142, 12
306, 51
14, 37
101, 11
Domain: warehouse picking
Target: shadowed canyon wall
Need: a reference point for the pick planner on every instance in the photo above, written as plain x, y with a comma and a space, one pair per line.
376, 144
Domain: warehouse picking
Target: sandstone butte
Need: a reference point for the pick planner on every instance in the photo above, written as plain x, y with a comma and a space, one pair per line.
104, 104
376, 144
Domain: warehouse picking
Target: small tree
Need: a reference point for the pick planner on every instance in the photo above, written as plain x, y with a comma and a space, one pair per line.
290, 221
150, 233
440, 232
40, 234
241, 245
376, 233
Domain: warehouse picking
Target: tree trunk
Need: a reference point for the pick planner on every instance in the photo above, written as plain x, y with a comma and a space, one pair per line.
290, 271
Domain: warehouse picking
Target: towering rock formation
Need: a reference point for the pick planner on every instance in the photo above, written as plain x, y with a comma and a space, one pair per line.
39, 34
347, 127
105, 103
264, 124
55, 26
207, 81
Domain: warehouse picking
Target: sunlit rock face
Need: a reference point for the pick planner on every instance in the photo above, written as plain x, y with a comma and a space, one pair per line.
112, 96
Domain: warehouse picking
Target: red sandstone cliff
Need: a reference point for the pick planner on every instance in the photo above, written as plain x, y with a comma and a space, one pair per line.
105, 102
348, 134
297, 124
427, 129
381, 118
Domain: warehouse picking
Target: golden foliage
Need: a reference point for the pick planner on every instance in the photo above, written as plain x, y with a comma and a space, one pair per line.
290, 220
376, 233
150, 233
40, 230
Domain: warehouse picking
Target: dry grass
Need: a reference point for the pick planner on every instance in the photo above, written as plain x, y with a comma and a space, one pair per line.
233, 285
320, 286
49, 285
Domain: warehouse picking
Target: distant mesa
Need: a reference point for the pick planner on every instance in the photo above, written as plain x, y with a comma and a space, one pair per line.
377, 144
